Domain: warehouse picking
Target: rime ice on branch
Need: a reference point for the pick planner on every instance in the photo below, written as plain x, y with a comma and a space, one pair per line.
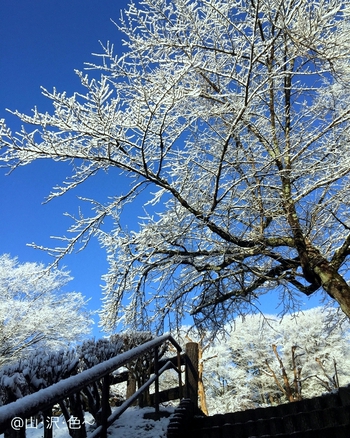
235, 118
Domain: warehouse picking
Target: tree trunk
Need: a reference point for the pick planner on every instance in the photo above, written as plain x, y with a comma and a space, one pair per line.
201, 389
286, 385
131, 386
316, 269
297, 374
334, 284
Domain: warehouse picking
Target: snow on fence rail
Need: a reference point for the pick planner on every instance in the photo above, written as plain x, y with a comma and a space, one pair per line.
43, 400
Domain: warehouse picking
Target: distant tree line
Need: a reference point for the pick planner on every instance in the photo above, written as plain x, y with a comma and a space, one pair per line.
266, 360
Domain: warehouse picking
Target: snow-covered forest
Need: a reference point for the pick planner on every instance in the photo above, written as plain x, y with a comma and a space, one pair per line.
263, 361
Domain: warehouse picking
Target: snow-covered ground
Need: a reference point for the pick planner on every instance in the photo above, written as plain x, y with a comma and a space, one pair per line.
131, 424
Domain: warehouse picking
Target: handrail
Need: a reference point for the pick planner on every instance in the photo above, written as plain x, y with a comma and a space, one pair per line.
39, 401
117, 413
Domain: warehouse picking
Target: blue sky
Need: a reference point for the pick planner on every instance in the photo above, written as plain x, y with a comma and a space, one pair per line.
41, 43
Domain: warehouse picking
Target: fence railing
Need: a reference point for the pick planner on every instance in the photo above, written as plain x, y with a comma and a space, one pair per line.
43, 401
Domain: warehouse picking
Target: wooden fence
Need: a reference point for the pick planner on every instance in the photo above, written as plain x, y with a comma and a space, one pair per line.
13, 416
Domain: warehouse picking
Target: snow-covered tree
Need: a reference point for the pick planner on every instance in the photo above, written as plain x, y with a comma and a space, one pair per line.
269, 360
35, 312
233, 117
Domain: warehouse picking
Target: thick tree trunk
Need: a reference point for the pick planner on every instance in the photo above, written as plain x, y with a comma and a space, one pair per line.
316, 269
334, 284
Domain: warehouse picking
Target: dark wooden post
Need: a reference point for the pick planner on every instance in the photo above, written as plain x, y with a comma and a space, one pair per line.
76, 424
106, 409
156, 383
179, 371
192, 372
17, 429
47, 420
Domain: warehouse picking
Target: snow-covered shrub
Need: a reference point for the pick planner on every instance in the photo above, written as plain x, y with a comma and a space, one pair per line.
45, 369
91, 352
13, 385
37, 371
41, 368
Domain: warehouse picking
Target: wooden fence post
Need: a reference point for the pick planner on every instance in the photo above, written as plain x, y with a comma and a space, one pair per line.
47, 421
156, 383
105, 407
16, 431
192, 372
10, 433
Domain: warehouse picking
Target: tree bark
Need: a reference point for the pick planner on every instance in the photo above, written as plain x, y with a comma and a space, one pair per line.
201, 389
131, 386
316, 269
286, 385
297, 373
334, 284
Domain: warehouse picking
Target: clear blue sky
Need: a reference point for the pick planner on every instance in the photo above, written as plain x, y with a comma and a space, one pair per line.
41, 43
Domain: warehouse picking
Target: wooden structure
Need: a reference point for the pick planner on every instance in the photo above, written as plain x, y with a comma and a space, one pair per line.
326, 416
73, 387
